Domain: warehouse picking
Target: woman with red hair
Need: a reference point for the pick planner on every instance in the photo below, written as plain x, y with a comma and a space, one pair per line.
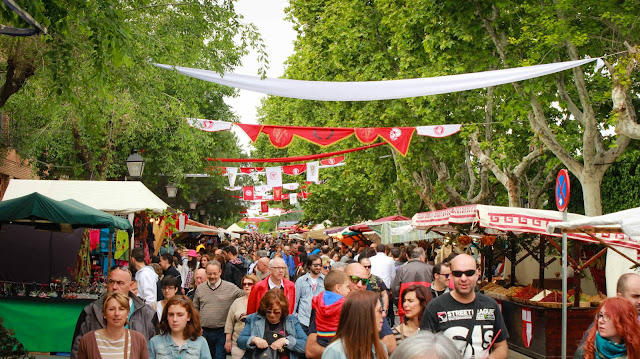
615, 333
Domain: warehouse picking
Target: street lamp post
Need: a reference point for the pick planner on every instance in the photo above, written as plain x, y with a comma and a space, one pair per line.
193, 202
172, 190
135, 165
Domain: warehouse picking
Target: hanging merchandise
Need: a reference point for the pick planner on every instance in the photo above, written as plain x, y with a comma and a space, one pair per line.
377, 90
293, 198
83, 263
122, 246
94, 239
264, 207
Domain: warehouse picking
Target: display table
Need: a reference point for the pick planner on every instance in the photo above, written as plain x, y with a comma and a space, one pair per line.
42, 324
545, 327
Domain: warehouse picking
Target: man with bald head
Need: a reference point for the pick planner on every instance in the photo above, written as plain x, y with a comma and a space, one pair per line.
472, 320
199, 277
142, 318
275, 279
358, 280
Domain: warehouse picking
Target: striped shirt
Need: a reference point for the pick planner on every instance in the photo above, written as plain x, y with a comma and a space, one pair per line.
111, 349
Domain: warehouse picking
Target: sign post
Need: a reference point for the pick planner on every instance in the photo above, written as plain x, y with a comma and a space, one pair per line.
562, 191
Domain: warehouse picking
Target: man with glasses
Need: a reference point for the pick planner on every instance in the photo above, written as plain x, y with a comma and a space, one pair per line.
307, 287
472, 320
213, 299
377, 285
275, 279
142, 318
440, 284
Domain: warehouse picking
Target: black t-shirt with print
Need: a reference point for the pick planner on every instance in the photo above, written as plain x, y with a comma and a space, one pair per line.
471, 326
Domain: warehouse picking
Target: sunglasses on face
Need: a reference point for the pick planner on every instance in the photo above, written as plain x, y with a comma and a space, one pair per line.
445, 275
273, 312
355, 279
367, 267
327, 267
459, 273
316, 264
247, 284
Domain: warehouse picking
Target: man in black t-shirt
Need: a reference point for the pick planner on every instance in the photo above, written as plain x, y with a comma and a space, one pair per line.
472, 320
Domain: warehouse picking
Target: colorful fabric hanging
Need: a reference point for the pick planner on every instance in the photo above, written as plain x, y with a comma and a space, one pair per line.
94, 239
122, 246
83, 262
293, 159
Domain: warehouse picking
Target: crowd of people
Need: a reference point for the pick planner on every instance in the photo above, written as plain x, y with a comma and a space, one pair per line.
260, 297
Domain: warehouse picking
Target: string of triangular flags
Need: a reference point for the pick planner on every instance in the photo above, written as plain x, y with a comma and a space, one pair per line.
282, 136
275, 173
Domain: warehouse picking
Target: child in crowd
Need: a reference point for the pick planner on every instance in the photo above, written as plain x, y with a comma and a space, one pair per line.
328, 305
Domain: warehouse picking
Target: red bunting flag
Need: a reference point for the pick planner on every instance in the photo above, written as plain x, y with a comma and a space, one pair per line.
277, 193
264, 207
251, 169
294, 170
332, 161
247, 193
293, 159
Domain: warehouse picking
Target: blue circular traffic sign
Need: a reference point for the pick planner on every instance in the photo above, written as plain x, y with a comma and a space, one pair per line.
563, 188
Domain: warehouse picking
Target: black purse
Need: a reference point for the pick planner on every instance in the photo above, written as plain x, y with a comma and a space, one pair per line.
267, 353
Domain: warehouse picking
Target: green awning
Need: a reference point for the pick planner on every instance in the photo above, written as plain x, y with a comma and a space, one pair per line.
35, 208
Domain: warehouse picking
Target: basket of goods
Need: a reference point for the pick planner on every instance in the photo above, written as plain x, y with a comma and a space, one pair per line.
552, 300
488, 240
511, 292
596, 300
525, 294
464, 240
585, 300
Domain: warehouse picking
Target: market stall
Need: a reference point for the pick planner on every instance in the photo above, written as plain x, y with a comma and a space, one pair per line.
40, 242
517, 234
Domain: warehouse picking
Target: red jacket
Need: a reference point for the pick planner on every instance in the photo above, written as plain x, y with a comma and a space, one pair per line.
258, 291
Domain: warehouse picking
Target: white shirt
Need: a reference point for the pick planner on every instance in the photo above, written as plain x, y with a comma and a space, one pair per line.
147, 284
273, 285
383, 267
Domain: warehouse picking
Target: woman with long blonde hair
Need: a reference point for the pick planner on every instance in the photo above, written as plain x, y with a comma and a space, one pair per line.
357, 336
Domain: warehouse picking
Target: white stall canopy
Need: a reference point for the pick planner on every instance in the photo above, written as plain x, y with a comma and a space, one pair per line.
109, 196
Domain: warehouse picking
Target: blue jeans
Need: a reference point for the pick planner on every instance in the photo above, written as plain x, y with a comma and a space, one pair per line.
215, 338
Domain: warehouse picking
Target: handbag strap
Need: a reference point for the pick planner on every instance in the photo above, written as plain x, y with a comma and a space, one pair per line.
126, 343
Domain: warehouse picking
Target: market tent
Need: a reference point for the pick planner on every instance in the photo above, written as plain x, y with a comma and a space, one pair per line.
108, 196
627, 222
401, 232
511, 219
36, 208
618, 259
197, 227
236, 228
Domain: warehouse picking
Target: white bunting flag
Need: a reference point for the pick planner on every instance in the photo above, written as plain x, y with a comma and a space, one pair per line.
274, 176
234, 188
291, 186
312, 171
262, 188
232, 172
293, 198
209, 125
438, 130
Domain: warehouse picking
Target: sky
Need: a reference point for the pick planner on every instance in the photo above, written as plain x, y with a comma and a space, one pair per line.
278, 36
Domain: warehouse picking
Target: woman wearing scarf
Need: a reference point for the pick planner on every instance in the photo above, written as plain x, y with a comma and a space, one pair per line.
615, 333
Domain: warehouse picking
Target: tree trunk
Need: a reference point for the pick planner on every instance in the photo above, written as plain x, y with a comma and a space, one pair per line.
591, 183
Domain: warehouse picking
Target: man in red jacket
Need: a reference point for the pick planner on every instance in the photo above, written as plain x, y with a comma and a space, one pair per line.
274, 280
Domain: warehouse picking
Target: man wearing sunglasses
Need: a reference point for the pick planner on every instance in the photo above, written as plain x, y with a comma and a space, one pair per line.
472, 320
440, 284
